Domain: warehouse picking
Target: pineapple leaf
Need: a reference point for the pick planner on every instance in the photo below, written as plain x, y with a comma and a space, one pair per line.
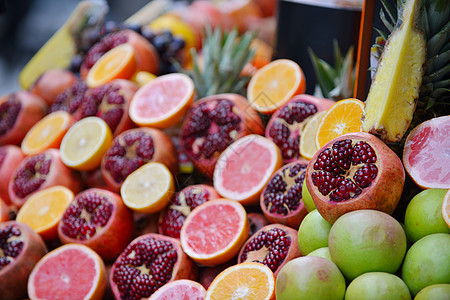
337, 55
392, 12
386, 23
384, 35
325, 74
438, 75
436, 42
438, 61
439, 10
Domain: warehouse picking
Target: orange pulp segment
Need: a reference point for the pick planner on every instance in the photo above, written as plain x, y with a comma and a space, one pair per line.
47, 133
274, 84
341, 118
119, 62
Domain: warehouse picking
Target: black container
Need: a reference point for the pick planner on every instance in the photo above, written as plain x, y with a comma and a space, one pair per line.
308, 23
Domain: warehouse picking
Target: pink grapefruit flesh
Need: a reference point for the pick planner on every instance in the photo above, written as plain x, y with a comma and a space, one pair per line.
180, 289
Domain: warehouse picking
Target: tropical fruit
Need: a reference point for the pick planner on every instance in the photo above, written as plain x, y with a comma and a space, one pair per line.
44, 209
342, 118
424, 153
313, 233
47, 133
52, 83
21, 248
162, 102
249, 281
426, 262
367, 241
307, 144
355, 171
180, 289
74, 270
245, 167
310, 277
275, 84
85, 143
149, 188
200, 238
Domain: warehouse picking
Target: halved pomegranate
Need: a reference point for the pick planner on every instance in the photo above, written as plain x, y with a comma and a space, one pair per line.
98, 219
20, 249
52, 83
212, 124
19, 111
146, 264
286, 124
40, 171
355, 171
281, 199
172, 218
109, 102
133, 148
273, 245
147, 58
256, 221
10, 158
71, 98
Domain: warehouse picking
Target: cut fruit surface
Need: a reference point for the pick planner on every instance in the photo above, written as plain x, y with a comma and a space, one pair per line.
343, 117
73, 269
180, 289
84, 145
249, 281
425, 154
214, 232
44, 209
274, 84
308, 138
149, 188
119, 62
162, 102
47, 133
245, 167
446, 208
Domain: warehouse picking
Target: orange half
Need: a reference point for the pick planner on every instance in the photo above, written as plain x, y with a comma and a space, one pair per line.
119, 62
275, 84
341, 118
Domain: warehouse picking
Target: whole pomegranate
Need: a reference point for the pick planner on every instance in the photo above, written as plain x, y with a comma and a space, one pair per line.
212, 124
355, 171
146, 264
52, 83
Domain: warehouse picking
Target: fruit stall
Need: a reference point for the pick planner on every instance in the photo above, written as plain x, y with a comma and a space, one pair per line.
241, 149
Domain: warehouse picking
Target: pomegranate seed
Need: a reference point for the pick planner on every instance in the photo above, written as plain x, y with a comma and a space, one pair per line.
2, 155
32, 175
9, 248
106, 43
9, 110
71, 98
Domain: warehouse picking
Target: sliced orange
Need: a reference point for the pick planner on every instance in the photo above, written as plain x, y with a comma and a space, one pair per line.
119, 62
245, 281
162, 102
214, 231
341, 118
85, 143
44, 209
274, 84
446, 208
149, 188
47, 133
307, 145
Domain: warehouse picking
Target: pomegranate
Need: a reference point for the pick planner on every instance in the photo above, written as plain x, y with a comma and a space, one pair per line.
145, 223
180, 206
147, 263
273, 245
10, 158
98, 219
146, 55
207, 274
40, 171
212, 124
71, 98
286, 124
4, 211
52, 83
19, 111
133, 148
355, 171
281, 199
20, 249
109, 102
256, 221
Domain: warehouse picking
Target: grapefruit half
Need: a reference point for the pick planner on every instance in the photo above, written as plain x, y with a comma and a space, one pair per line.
180, 289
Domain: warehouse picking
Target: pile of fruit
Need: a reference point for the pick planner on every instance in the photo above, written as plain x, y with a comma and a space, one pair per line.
176, 160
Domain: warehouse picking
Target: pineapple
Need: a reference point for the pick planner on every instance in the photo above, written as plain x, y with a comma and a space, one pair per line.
223, 58
414, 94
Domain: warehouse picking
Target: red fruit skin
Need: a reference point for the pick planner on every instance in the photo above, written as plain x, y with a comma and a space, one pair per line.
383, 194
4, 211
250, 119
145, 223
184, 268
165, 153
13, 157
257, 221
52, 83
110, 240
59, 174
293, 251
14, 276
207, 274
33, 109
268, 7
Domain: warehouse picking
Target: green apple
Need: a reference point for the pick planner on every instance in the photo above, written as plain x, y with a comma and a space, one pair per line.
307, 199
434, 292
377, 286
321, 252
313, 232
